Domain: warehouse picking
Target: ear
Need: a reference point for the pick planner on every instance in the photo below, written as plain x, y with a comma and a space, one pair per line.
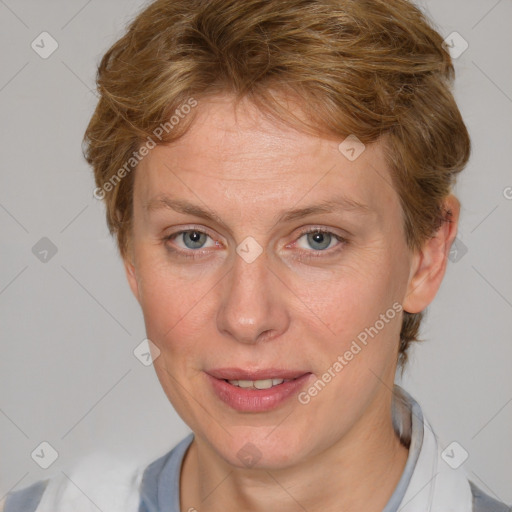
429, 262
131, 275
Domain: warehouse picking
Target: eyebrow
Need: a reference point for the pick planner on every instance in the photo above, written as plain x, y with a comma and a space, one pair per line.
332, 205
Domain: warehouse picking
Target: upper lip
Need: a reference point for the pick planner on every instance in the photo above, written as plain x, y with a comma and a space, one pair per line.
262, 374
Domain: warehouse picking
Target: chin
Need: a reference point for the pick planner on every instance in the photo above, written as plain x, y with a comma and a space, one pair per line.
261, 447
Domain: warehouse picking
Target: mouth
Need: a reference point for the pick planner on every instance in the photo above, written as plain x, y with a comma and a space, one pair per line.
256, 391
257, 384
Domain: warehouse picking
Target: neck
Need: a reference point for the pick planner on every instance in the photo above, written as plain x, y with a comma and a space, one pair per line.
359, 472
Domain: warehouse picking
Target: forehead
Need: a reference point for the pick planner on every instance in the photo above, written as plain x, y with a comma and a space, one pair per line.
239, 154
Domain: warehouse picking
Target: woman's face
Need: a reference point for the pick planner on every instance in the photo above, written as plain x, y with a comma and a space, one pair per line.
234, 286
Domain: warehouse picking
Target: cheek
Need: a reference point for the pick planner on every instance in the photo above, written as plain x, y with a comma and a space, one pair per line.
360, 312
354, 296
172, 300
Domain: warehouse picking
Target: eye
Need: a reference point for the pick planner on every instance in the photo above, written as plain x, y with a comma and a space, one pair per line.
188, 242
192, 239
320, 240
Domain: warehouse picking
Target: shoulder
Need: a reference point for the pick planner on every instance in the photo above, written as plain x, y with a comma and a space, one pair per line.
103, 482
95, 482
24, 500
484, 503
161, 479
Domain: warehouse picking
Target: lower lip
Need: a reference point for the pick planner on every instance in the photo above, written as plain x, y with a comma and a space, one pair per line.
256, 400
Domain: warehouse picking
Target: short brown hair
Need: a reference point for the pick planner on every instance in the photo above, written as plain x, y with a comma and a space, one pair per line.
373, 68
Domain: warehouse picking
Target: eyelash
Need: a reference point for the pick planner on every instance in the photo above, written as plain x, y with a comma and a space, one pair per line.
195, 254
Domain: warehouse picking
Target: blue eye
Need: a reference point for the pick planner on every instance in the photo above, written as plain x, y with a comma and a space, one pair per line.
195, 238
320, 240
187, 243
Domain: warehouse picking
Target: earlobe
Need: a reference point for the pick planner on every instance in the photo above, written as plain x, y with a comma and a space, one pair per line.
429, 263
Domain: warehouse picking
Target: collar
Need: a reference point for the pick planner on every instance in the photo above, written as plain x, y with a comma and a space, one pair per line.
428, 483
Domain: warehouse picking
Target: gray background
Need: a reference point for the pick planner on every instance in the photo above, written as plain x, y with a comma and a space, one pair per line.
69, 325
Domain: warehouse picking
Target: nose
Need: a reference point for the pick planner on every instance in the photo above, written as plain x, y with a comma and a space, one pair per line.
252, 303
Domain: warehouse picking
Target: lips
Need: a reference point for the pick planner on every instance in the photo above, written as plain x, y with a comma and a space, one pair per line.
256, 390
263, 374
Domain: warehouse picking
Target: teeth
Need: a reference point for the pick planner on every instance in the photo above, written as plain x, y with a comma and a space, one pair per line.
257, 384
263, 384
245, 383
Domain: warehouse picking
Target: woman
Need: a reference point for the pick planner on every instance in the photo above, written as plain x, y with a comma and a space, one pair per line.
278, 176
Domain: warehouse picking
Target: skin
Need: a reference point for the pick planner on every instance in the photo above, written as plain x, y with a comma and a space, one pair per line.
284, 309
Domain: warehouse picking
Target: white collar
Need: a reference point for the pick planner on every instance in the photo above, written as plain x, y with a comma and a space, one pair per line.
431, 484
